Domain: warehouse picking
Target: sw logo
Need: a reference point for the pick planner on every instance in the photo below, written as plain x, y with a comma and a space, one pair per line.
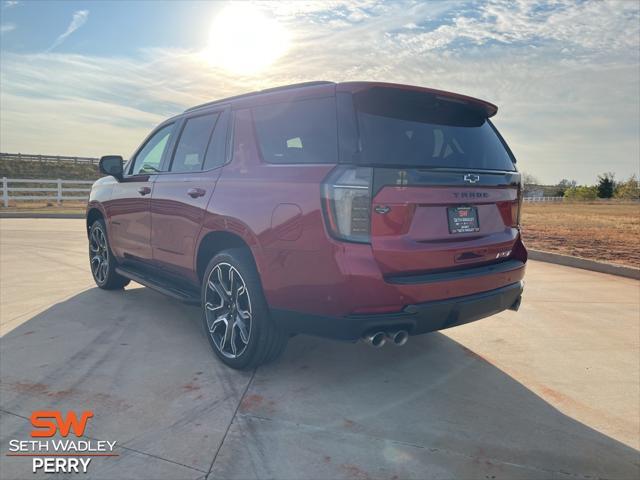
60, 455
46, 427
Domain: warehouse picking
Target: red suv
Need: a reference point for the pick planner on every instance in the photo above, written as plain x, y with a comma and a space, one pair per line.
354, 210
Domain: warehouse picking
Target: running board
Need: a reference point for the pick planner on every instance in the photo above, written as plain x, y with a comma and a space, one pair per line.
164, 286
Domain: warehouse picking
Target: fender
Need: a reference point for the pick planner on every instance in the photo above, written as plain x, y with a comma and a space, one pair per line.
225, 224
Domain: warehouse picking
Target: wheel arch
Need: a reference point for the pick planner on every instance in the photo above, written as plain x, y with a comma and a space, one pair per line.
214, 242
94, 213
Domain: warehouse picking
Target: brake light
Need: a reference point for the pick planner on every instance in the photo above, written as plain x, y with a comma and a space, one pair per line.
515, 213
516, 208
346, 201
510, 211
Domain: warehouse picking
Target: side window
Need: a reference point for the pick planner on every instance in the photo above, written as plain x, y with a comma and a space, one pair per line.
216, 153
298, 132
149, 158
192, 144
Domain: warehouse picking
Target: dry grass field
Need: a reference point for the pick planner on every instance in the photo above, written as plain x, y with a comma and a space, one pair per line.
604, 231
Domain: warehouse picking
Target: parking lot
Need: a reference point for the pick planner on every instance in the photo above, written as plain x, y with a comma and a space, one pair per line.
552, 391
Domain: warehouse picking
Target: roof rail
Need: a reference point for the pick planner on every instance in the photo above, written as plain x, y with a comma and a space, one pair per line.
258, 92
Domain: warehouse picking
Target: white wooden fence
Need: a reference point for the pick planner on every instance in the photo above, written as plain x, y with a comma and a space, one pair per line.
543, 199
47, 189
26, 157
59, 190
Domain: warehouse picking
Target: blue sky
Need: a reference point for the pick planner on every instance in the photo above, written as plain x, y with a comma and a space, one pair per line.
92, 78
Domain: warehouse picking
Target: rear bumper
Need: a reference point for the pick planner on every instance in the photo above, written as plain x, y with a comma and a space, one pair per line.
417, 318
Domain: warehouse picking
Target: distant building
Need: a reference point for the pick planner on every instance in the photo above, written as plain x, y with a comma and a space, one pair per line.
534, 193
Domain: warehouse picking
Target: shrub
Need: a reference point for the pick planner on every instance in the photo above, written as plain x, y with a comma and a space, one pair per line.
628, 190
581, 192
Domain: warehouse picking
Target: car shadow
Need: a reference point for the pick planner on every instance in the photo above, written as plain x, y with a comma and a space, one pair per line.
140, 362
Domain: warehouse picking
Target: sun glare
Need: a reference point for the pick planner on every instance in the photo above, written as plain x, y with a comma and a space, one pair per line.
244, 40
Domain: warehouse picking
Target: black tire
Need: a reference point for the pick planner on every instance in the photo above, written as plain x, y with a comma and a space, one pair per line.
101, 260
265, 342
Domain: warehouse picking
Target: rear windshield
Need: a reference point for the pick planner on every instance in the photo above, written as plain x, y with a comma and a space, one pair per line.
407, 128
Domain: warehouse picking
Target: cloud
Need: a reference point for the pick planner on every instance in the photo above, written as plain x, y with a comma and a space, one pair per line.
79, 18
10, 3
6, 28
592, 27
567, 90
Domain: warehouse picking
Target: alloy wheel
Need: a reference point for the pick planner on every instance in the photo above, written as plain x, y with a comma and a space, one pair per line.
99, 253
227, 306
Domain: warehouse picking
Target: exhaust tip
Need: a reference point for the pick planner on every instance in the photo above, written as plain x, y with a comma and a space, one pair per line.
401, 338
398, 337
376, 339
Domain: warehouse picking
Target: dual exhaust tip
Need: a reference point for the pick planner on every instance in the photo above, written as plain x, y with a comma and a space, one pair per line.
379, 339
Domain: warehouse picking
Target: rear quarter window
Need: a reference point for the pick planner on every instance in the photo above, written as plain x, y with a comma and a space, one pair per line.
304, 131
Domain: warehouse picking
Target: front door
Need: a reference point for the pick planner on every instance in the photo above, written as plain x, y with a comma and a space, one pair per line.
129, 210
181, 195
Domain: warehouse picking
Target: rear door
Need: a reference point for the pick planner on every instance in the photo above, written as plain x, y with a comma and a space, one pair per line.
445, 192
129, 208
180, 196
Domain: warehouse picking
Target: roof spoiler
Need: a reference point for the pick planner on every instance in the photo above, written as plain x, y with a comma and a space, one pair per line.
488, 109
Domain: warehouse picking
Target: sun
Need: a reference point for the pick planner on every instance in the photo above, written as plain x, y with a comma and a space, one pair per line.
244, 40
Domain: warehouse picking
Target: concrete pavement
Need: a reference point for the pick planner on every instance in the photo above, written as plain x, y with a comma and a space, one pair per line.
552, 391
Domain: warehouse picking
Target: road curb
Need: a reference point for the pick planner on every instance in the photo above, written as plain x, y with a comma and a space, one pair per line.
577, 262
40, 215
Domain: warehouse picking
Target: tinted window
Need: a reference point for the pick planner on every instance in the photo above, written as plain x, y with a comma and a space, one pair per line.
299, 132
216, 153
192, 144
149, 158
409, 129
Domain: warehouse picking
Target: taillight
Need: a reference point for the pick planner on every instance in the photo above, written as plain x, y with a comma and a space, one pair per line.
515, 213
346, 202
510, 211
516, 208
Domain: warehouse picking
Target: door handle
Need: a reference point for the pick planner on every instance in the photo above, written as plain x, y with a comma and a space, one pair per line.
196, 192
144, 190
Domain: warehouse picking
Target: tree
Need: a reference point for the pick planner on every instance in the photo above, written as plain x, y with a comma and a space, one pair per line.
528, 179
628, 190
606, 185
563, 185
529, 182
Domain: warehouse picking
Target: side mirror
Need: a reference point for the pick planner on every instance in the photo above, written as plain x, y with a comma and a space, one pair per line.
112, 165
